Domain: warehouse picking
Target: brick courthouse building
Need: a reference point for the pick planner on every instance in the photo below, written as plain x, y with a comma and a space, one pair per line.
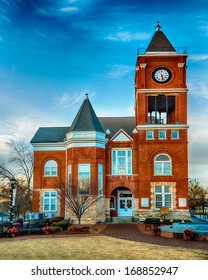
139, 163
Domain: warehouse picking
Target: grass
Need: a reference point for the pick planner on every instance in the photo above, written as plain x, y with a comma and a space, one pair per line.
93, 248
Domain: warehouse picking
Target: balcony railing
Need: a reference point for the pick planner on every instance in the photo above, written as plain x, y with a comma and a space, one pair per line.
178, 50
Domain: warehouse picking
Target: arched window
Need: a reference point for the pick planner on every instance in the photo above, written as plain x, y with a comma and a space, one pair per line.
162, 165
50, 168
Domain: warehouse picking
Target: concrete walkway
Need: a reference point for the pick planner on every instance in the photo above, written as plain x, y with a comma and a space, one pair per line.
137, 232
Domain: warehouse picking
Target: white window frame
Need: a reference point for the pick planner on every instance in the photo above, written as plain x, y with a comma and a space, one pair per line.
127, 158
159, 134
149, 134
164, 195
84, 168
50, 168
174, 131
49, 196
163, 165
100, 179
69, 174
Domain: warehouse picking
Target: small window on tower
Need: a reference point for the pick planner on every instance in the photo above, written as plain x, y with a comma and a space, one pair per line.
149, 134
162, 134
175, 134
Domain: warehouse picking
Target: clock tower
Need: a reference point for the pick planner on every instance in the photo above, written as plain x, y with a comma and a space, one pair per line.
161, 126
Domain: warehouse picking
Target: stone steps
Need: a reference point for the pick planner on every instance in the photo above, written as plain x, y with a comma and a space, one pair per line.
123, 220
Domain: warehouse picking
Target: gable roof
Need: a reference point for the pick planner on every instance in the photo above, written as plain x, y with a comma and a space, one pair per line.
160, 43
86, 119
114, 124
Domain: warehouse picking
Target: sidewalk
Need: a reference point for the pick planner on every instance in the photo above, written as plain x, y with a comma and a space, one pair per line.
137, 232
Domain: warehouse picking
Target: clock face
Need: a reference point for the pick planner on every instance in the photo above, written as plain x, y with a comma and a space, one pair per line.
161, 75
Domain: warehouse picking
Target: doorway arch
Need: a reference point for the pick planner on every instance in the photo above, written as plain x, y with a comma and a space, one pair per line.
122, 202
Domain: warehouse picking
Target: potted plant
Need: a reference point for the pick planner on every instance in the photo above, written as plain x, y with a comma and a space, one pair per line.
156, 230
189, 234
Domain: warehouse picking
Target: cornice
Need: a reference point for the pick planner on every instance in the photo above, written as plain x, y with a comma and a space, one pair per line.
162, 90
162, 126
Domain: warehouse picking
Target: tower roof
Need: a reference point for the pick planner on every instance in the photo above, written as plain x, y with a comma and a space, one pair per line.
86, 119
160, 42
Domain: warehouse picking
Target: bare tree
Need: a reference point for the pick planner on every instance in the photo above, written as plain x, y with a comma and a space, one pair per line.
19, 166
197, 194
78, 199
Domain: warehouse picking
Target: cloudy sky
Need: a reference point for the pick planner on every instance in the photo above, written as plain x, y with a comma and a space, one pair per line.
52, 52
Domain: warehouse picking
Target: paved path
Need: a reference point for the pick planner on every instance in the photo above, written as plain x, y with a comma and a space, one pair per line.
137, 233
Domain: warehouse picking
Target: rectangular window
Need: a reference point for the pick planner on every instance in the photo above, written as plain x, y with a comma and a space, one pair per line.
163, 197
162, 134
149, 134
100, 179
84, 179
174, 134
69, 175
121, 162
50, 201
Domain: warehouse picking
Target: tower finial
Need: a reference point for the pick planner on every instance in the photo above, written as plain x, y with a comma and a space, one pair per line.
86, 95
157, 26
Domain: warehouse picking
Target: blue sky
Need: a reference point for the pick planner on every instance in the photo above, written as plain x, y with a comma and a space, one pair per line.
52, 52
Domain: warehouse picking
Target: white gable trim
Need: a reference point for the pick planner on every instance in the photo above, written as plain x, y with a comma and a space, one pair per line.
121, 136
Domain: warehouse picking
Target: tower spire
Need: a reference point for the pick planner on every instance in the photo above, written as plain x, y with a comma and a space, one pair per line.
157, 26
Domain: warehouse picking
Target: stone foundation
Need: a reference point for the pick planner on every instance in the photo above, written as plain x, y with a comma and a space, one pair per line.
178, 214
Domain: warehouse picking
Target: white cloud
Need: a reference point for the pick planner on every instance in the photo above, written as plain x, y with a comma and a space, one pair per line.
198, 148
118, 71
126, 36
198, 57
69, 9
197, 86
71, 100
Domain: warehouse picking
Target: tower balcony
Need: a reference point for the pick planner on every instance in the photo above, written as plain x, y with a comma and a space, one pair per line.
163, 51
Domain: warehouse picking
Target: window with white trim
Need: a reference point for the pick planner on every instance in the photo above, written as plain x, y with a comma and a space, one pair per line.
174, 134
50, 168
149, 134
84, 179
162, 134
162, 165
69, 175
50, 201
121, 162
100, 179
163, 197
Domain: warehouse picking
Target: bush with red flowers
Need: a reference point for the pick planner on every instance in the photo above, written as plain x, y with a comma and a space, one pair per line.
12, 231
191, 234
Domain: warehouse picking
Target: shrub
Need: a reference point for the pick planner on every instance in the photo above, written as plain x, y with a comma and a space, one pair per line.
55, 229
47, 229
54, 220
63, 224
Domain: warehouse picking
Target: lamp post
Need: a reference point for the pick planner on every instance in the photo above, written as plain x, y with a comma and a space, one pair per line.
12, 182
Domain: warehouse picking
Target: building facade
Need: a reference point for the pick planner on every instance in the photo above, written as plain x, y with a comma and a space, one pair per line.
137, 164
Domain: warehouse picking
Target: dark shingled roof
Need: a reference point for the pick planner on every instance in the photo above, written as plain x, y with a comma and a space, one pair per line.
50, 135
160, 43
114, 124
86, 119
57, 134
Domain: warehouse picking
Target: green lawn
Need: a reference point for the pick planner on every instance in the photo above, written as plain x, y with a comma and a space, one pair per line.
93, 248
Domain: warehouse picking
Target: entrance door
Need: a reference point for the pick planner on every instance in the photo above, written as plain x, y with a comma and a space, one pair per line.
125, 204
